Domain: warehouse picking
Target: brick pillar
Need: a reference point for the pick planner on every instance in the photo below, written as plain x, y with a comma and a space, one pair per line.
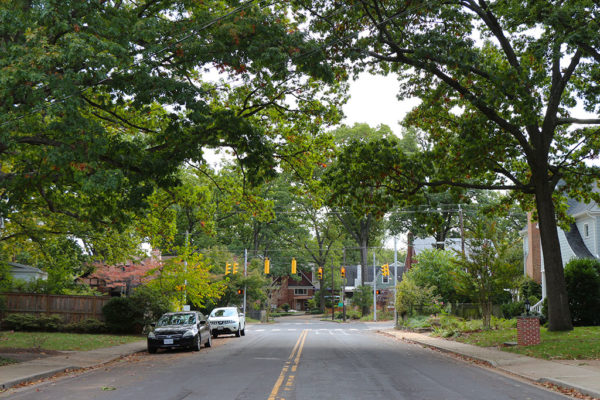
528, 331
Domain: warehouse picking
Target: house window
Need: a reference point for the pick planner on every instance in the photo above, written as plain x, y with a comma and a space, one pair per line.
300, 292
586, 230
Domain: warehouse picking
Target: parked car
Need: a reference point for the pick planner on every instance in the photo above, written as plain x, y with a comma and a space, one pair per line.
227, 320
187, 329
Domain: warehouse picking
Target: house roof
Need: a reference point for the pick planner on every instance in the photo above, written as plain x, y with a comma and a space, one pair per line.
576, 243
579, 207
25, 268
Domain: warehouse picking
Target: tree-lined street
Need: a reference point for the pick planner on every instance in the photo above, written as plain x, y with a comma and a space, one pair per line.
297, 358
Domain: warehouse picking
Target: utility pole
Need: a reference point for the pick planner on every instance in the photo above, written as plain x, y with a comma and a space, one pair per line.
332, 294
245, 275
374, 289
395, 281
185, 264
344, 290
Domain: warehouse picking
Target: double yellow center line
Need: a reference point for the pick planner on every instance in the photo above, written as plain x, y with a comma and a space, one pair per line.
289, 370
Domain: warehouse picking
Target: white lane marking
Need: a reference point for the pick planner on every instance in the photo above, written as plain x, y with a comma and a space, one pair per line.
276, 330
292, 329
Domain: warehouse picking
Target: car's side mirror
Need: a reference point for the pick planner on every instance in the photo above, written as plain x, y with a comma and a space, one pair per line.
203, 322
241, 314
153, 324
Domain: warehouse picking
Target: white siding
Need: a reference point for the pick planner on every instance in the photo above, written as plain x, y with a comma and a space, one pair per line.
597, 237
590, 240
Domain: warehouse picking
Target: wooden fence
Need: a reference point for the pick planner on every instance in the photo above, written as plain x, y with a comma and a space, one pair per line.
70, 308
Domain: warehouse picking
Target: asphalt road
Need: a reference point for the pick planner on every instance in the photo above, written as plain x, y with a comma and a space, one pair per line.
295, 359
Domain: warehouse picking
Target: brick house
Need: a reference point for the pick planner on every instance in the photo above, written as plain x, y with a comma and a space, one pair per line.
582, 240
295, 293
120, 279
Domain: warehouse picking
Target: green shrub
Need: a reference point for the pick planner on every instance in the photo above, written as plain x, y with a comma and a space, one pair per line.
121, 316
90, 325
583, 288
2, 305
350, 314
514, 309
530, 288
381, 316
314, 311
285, 307
31, 322
150, 304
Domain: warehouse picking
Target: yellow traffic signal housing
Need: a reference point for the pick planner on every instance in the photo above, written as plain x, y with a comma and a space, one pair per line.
343, 271
320, 273
267, 265
293, 266
227, 268
385, 270
235, 268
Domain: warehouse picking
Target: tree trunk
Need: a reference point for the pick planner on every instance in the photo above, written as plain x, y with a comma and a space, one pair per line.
559, 316
486, 313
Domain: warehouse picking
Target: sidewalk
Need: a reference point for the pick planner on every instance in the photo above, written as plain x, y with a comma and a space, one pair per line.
583, 378
14, 374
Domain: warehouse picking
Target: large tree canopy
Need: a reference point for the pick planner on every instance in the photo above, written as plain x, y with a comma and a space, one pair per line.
498, 81
102, 100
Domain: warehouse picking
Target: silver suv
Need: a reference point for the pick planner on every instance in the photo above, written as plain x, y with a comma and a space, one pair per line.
225, 320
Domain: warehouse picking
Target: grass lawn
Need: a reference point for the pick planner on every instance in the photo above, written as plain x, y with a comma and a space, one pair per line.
63, 341
582, 343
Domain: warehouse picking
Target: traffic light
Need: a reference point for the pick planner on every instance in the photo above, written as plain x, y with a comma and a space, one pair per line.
343, 271
235, 268
267, 264
240, 291
378, 291
320, 273
227, 268
293, 266
385, 270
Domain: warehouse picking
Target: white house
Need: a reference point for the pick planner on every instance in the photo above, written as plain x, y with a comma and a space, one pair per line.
582, 240
26, 272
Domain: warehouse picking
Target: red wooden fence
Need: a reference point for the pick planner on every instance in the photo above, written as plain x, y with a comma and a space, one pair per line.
70, 308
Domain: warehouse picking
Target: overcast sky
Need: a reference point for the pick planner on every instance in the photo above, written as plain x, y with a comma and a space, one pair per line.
373, 100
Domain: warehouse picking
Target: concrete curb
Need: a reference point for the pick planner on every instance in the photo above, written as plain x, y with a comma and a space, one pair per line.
567, 385
491, 363
35, 377
32, 370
